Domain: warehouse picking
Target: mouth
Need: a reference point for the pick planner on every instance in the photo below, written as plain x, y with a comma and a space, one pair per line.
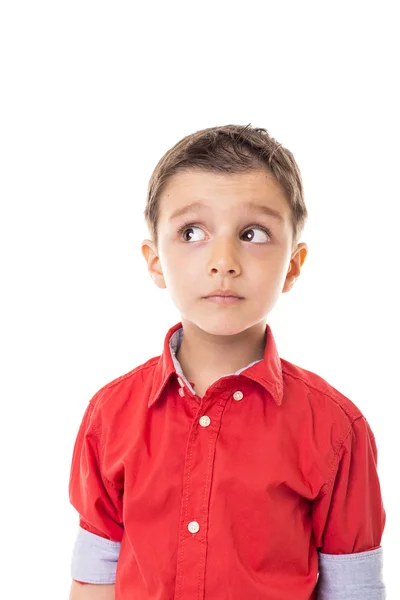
227, 300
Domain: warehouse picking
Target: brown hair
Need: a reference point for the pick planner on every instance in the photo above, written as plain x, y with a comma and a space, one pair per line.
229, 149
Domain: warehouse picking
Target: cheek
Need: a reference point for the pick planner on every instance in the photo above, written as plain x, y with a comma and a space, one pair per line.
180, 268
268, 271
265, 259
180, 256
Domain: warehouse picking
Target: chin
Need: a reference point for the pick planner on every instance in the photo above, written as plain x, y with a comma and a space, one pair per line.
219, 324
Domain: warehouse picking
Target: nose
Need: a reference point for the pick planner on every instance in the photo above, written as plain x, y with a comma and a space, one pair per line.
224, 257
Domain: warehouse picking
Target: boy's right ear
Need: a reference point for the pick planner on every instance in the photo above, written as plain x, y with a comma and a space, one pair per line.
152, 259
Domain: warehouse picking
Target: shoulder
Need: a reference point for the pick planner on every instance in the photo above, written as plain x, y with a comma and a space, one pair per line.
323, 414
318, 393
127, 388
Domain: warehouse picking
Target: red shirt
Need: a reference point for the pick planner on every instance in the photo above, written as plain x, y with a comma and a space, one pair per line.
230, 496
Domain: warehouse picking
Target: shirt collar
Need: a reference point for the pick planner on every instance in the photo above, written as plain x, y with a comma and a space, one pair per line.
267, 371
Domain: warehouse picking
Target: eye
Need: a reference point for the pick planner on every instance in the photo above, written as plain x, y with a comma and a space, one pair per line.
185, 229
264, 230
188, 227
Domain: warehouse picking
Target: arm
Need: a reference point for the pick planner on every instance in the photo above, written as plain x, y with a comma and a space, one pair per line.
92, 591
348, 522
99, 504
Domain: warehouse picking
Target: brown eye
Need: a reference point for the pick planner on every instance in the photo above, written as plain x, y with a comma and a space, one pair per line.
249, 236
187, 233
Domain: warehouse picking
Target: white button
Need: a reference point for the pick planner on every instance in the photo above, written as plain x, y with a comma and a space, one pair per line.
238, 395
181, 392
180, 382
205, 421
193, 527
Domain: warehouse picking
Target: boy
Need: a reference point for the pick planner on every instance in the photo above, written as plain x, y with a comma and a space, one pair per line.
218, 470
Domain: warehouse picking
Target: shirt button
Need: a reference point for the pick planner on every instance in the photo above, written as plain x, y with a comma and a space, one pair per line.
180, 382
205, 421
181, 392
193, 527
238, 395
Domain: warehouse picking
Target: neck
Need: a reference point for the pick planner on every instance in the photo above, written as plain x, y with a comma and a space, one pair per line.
204, 357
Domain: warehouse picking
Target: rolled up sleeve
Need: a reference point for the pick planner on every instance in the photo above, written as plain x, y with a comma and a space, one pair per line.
94, 559
349, 520
99, 504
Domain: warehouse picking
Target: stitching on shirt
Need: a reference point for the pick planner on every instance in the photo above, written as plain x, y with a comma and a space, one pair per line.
210, 446
96, 431
95, 401
204, 504
260, 381
340, 444
113, 485
358, 556
95, 428
178, 593
324, 392
335, 462
100, 461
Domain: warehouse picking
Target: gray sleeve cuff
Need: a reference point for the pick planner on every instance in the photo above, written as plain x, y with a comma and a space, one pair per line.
355, 576
94, 559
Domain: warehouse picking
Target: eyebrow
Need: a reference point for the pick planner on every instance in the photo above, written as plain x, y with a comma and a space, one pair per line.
251, 206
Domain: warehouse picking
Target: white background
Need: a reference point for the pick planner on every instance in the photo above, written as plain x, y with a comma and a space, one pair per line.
92, 94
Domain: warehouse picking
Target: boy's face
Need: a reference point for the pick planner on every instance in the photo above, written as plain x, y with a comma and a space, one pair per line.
224, 247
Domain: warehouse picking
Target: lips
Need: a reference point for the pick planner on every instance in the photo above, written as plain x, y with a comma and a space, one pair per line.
224, 300
223, 294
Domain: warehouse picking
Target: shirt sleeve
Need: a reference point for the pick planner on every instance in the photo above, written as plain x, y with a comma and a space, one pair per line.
349, 520
94, 559
99, 504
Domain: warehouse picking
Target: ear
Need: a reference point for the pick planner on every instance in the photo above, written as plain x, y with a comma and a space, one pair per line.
152, 259
296, 262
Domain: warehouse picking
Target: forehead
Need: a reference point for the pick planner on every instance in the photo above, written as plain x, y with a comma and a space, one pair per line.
223, 193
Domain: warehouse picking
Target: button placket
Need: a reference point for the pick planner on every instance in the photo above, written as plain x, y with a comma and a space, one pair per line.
198, 477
